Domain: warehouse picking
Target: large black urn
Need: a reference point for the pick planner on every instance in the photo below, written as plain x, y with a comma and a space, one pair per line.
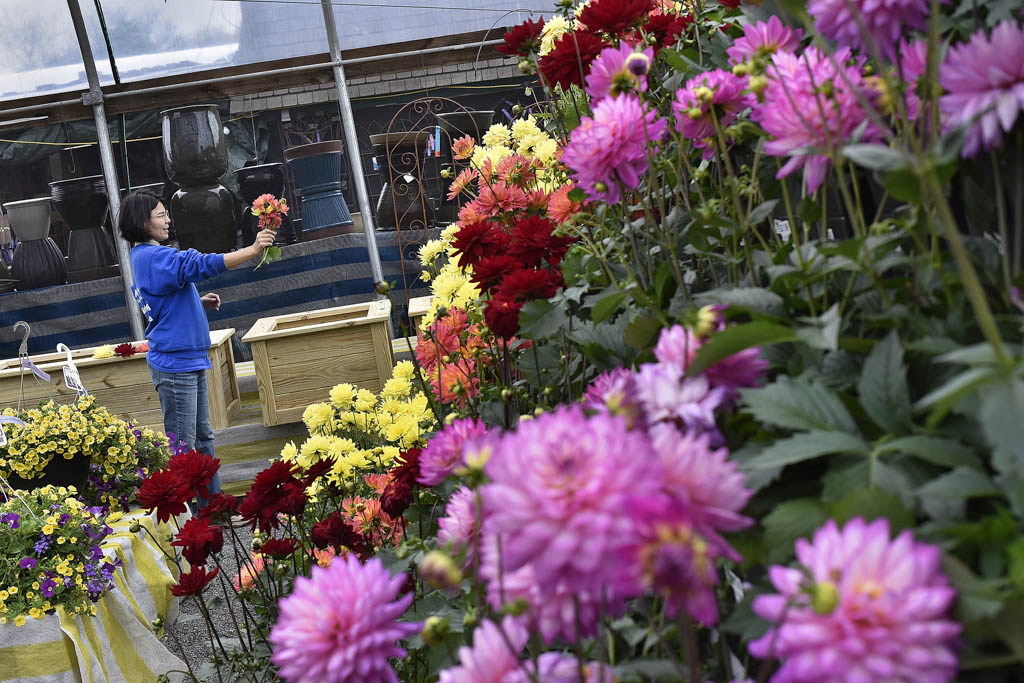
37, 259
317, 171
402, 203
455, 125
82, 202
195, 157
254, 181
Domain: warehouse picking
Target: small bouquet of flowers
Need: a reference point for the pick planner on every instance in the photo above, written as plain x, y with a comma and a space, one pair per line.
269, 211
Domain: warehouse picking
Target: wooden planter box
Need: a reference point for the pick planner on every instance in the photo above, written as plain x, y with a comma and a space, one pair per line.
123, 385
418, 307
300, 357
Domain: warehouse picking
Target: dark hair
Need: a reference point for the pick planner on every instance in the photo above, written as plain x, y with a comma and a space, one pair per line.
135, 210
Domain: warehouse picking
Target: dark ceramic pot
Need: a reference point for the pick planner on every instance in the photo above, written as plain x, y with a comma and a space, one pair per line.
455, 125
254, 181
402, 202
58, 472
82, 203
204, 219
195, 150
317, 171
37, 259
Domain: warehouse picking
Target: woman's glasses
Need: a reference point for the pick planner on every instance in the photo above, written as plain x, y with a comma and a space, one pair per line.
162, 214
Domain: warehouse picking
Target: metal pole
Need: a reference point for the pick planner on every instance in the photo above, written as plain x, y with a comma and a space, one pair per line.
352, 143
95, 98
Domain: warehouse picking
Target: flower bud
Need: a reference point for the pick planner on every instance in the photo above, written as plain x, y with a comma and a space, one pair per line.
704, 95
517, 110
435, 629
281, 569
516, 608
470, 618
157, 624
381, 287
825, 598
740, 70
694, 113
506, 394
600, 186
135, 527
440, 571
525, 67
758, 84
446, 173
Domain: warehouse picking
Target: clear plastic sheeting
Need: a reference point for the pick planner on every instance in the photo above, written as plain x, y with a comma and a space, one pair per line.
154, 38
40, 53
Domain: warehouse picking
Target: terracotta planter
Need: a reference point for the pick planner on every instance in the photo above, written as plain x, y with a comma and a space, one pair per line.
317, 171
37, 259
82, 202
299, 357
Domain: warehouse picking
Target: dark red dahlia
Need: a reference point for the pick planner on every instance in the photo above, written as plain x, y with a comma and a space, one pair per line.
125, 350
474, 241
197, 539
277, 547
218, 506
196, 469
731, 4
397, 495
614, 16
528, 284
489, 270
666, 29
502, 316
317, 469
523, 39
193, 582
533, 242
276, 490
569, 61
335, 532
166, 492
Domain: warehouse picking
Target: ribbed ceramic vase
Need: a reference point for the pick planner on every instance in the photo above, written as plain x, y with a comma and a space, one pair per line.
37, 259
316, 169
82, 202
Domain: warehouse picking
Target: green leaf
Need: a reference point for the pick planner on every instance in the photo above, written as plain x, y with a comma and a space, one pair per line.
874, 157
736, 338
821, 332
944, 452
762, 211
799, 405
961, 483
872, 503
977, 354
807, 446
1002, 415
883, 386
789, 521
903, 185
577, 194
943, 399
607, 306
755, 299
642, 331
541, 319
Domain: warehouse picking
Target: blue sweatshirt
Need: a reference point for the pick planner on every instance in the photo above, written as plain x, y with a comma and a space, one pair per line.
177, 328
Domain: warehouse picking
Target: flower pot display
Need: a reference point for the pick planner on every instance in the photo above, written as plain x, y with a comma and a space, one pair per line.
317, 171
195, 157
402, 203
254, 181
82, 202
37, 259
122, 384
455, 125
298, 357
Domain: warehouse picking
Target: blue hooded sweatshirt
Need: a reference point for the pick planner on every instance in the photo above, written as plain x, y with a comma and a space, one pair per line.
177, 328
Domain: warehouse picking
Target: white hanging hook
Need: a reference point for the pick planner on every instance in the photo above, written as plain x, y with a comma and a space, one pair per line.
23, 349
64, 347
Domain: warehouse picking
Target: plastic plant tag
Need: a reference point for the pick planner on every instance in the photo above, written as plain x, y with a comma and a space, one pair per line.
74, 381
7, 419
27, 363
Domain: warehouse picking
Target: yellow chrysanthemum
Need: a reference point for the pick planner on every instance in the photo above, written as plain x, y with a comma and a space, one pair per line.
289, 452
552, 31
318, 417
430, 251
365, 401
448, 234
404, 369
342, 396
396, 387
498, 135
105, 351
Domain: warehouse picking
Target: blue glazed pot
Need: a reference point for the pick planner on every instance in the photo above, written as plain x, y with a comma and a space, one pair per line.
317, 171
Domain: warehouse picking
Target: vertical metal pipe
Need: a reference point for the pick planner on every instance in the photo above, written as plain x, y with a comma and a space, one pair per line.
95, 98
352, 143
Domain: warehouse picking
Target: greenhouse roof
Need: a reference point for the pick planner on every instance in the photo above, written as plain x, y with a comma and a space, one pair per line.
152, 39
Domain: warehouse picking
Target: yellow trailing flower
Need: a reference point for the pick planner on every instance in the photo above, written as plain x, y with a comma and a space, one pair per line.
105, 351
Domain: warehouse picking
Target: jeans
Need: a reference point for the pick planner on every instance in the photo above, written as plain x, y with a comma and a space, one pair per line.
186, 406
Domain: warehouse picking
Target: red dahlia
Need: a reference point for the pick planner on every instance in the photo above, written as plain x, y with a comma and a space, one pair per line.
570, 59
166, 492
533, 242
197, 539
397, 495
125, 350
523, 39
528, 284
275, 490
335, 532
219, 505
666, 28
502, 316
614, 16
193, 582
476, 240
317, 469
489, 270
196, 469
277, 547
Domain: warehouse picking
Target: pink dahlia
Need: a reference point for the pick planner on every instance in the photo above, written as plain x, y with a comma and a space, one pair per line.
619, 70
805, 128
458, 529
555, 667
444, 452
678, 346
912, 63
712, 95
339, 624
494, 655
861, 608
708, 486
558, 486
688, 402
615, 392
985, 82
847, 21
672, 559
763, 39
609, 149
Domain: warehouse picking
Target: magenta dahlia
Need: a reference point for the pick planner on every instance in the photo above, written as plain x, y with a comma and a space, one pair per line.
557, 491
678, 346
458, 529
609, 149
690, 402
984, 78
763, 39
860, 608
807, 119
717, 94
615, 392
883, 21
555, 667
339, 625
494, 655
444, 451
619, 70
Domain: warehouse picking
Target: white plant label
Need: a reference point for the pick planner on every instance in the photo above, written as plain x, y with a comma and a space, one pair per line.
73, 381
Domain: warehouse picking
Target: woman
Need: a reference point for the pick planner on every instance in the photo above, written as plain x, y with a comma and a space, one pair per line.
177, 329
